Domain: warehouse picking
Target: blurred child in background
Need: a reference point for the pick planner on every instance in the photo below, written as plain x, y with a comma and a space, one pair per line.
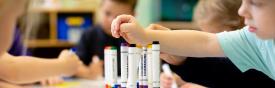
90, 49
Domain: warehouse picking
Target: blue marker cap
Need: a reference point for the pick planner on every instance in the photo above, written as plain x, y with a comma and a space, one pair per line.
117, 86
73, 49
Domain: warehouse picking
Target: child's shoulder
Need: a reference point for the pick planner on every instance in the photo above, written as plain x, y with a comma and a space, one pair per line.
95, 30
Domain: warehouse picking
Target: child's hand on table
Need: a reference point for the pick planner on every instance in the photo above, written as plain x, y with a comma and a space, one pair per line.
51, 81
70, 62
96, 67
94, 71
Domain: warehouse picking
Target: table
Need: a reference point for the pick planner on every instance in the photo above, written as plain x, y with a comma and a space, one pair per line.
77, 83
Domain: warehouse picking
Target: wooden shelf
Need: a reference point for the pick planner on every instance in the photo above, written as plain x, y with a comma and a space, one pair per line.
48, 44
177, 25
75, 10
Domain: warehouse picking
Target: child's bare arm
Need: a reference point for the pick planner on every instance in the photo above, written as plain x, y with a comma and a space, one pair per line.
24, 69
186, 43
8, 85
6, 29
10, 10
179, 42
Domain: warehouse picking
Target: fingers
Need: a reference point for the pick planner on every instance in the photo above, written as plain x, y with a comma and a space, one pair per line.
115, 27
51, 81
166, 81
115, 30
95, 59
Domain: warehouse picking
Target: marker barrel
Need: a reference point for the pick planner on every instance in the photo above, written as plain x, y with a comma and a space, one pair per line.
124, 64
144, 68
106, 67
113, 54
132, 76
149, 66
156, 65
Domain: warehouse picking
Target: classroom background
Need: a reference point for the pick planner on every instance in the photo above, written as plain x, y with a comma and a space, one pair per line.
63, 21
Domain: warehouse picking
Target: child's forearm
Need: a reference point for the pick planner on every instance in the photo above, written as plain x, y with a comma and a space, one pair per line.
25, 69
7, 27
8, 85
186, 43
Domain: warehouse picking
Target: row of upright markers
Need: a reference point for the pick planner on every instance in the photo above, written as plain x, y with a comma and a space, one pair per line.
140, 66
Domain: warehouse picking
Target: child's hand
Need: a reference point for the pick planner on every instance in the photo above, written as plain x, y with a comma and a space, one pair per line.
51, 81
96, 67
93, 71
70, 62
127, 27
166, 81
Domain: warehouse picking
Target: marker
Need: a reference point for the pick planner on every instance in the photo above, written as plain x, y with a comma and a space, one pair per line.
140, 67
168, 72
149, 66
124, 64
113, 71
156, 65
107, 66
144, 68
132, 76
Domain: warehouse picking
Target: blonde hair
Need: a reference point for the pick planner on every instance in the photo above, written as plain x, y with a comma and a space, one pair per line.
224, 12
28, 24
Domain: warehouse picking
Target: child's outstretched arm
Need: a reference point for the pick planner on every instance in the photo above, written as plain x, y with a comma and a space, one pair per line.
24, 69
8, 85
178, 42
171, 59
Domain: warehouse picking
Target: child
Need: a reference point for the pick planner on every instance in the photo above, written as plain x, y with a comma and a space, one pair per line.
217, 72
91, 46
249, 48
24, 69
212, 16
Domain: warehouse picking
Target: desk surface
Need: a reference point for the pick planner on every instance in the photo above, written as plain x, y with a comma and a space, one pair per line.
77, 83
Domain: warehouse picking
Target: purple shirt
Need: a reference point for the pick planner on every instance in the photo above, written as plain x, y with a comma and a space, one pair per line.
17, 45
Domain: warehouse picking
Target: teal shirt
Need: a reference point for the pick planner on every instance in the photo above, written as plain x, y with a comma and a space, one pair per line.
247, 51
